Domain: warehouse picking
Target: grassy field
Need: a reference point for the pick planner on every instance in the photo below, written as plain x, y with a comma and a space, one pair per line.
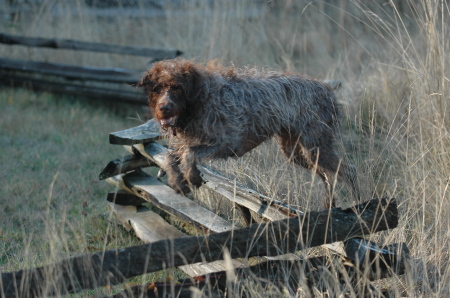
391, 56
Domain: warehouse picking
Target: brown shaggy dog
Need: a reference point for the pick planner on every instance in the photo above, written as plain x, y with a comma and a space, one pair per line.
219, 112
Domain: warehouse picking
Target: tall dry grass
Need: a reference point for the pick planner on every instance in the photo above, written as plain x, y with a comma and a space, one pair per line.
391, 56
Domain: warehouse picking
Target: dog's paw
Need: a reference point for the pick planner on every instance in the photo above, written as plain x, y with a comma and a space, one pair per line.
181, 188
195, 179
179, 184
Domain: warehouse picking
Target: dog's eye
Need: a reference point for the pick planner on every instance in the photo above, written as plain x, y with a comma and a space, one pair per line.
157, 89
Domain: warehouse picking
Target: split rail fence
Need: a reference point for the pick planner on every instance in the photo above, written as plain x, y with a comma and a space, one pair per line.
88, 81
218, 255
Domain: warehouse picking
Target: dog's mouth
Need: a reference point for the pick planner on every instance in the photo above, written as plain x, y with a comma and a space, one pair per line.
168, 122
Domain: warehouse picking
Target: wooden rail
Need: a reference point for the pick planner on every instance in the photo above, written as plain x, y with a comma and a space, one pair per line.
55, 43
86, 81
128, 94
72, 72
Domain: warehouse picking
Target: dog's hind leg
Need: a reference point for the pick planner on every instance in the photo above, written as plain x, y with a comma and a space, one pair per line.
348, 174
321, 159
328, 165
296, 153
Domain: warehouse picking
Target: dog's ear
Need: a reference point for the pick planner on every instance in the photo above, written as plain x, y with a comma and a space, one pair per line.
189, 78
146, 82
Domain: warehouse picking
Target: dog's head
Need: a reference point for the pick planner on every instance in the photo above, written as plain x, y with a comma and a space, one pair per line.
172, 87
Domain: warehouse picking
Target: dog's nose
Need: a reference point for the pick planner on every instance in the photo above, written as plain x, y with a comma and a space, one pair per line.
166, 108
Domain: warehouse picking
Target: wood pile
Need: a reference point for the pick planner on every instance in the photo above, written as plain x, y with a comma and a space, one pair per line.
137, 187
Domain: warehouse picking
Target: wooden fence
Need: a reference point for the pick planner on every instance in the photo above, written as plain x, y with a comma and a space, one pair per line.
87, 81
219, 254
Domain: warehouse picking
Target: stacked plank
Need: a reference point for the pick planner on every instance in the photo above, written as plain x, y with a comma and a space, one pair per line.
137, 187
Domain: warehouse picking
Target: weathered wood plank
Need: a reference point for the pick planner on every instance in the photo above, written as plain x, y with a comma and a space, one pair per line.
123, 165
55, 43
72, 72
239, 194
153, 151
236, 193
112, 267
166, 199
128, 94
150, 227
118, 182
147, 132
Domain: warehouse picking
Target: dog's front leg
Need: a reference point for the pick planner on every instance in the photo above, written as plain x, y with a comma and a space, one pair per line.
188, 164
192, 155
174, 176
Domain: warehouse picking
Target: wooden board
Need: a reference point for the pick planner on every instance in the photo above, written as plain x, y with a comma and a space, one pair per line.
123, 165
166, 199
147, 132
236, 193
72, 72
55, 43
150, 227
127, 93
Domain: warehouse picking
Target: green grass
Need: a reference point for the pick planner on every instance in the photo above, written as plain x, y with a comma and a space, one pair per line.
392, 58
53, 148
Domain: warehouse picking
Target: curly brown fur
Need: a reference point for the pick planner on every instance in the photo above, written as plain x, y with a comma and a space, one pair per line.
219, 112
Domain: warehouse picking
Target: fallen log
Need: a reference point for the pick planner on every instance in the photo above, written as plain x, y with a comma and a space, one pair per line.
268, 239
